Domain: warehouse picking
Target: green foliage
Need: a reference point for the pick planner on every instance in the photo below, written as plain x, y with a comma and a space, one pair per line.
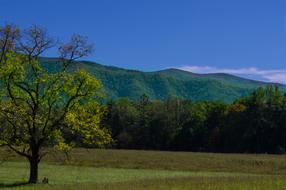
254, 123
41, 105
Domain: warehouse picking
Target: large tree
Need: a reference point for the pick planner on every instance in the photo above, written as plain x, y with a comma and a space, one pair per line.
40, 105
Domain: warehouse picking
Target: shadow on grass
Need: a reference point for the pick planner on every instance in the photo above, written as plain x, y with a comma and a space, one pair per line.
17, 184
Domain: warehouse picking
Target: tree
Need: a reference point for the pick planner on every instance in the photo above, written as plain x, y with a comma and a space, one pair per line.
142, 125
40, 105
122, 121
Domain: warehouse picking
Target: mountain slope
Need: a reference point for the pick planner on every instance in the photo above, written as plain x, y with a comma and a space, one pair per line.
118, 82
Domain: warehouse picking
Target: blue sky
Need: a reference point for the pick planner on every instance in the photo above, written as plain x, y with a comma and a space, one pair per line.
241, 37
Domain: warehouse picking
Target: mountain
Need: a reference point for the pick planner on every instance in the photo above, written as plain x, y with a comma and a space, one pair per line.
118, 82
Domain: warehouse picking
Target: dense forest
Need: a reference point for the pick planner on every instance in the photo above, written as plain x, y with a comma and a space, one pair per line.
252, 124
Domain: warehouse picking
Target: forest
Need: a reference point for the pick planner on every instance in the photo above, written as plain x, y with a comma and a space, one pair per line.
251, 124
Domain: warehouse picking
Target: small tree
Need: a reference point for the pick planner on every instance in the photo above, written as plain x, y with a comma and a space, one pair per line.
38, 104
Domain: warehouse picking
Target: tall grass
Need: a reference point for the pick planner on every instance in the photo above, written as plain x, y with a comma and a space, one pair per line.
183, 161
129, 169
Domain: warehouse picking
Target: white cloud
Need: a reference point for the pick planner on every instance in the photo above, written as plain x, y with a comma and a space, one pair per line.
262, 74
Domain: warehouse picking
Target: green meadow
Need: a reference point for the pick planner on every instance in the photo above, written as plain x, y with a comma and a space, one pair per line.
131, 169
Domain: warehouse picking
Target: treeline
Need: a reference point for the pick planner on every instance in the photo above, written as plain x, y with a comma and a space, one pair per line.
252, 124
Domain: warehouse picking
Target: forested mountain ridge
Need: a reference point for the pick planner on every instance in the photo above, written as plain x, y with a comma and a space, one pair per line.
119, 82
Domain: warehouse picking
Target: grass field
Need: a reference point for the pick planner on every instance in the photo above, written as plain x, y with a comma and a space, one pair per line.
128, 169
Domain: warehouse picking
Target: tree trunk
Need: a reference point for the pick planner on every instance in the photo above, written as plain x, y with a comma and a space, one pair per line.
33, 170
34, 162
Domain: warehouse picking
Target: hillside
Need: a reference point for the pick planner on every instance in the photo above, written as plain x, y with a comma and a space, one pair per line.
118, 82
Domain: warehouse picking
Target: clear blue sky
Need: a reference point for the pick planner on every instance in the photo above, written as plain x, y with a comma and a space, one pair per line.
196, 35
